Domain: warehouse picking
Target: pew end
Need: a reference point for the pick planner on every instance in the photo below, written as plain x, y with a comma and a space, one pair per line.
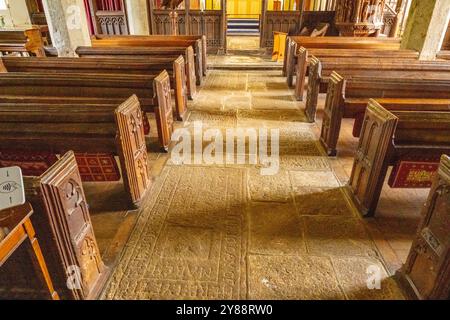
332, 115
315, 71
67, 237
300, 73
163, 112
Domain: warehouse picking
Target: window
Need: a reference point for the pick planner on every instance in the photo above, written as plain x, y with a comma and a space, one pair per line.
3, 5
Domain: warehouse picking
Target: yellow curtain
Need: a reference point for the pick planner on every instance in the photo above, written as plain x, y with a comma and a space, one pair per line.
212, 4
244, 8
288, 5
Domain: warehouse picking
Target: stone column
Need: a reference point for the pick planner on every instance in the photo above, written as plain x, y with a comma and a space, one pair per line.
67, 23
137, 16
426, 27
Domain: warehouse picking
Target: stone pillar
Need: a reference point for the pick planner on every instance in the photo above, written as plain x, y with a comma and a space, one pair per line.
426, 27
67, 23
137, 16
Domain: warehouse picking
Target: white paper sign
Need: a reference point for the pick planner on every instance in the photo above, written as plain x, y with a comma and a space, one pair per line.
12, 192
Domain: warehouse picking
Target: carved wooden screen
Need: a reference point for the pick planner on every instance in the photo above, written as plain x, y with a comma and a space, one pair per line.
192, 21
211, 24
360, 18
162, 24
288, 21
107, 17
36, 12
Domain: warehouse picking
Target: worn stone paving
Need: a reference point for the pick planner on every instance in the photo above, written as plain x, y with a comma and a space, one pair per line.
224, 231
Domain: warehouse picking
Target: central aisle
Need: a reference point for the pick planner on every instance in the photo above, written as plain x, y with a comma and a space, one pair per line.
224, 231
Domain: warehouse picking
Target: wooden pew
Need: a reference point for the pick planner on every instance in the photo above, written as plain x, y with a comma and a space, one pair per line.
176, 69
23, 42
345, 98
153, 93
388, 137
84, 128
425, 274
320, 71
294, 43
197, 42
444, 54
151, 54
303, 60
61, 219
169, 41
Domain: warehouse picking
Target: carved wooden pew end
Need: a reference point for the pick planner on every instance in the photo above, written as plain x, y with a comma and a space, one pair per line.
426, 273
67, 238
390, 138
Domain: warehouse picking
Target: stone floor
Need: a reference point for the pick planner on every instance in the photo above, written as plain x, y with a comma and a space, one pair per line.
243, 53
225, 231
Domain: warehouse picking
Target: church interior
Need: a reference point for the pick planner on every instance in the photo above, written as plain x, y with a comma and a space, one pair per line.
225, 149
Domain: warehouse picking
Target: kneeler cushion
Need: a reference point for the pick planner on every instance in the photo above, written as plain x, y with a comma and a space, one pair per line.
414, 172
97, 167
32, 163
92, 166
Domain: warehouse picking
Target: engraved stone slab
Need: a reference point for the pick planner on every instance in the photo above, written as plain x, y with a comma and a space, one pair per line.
322, 201
354, 274
301, 163
275, 229
313, 179
189, 240
292, 277
337, 236
276, 188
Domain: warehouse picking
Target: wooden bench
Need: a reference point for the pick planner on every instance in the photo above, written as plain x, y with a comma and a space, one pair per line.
175, 68
320, 71
444, 54
345, 98
388, 137
168, 41
303, 60
294, 43
22, 42
153, 92
58, 127
151, 54
61, 219
197, 42
431, 246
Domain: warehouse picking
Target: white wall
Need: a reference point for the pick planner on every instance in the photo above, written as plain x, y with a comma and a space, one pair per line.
137, 16
16, 13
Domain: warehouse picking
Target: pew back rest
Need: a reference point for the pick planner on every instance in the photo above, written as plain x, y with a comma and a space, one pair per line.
397, 88
98, 87
427, 128
104, 65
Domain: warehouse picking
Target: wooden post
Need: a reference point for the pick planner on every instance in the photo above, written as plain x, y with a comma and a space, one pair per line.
151, 18
262, 22
187, 23
225, 26
173, 22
